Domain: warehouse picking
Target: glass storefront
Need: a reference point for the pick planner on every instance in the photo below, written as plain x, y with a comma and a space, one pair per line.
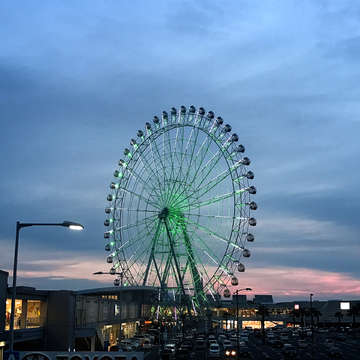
27, 314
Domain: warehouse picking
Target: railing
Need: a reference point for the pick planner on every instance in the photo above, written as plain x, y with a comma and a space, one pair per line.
28, 323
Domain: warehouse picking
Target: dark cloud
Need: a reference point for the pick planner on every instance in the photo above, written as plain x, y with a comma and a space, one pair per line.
77, 81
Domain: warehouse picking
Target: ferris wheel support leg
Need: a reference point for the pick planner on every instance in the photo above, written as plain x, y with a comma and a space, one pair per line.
151, 257
180, 282
198, 288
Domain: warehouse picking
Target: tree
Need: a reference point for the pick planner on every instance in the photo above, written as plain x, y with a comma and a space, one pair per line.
294, 313
354, 312
263, 311
303, 312
339, 315
317, 313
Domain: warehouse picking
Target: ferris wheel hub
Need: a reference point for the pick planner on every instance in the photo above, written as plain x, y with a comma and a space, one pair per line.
164, 213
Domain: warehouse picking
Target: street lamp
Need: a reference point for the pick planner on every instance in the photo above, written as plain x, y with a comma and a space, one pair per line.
312, 325
117, 282
19, 225
237, 318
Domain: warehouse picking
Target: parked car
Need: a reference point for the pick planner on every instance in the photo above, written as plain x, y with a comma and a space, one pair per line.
284, 337
212, 336
136, 341
211, 341
141, 338
289, 351
230, 352
329, 343
302, 343
244, 351
171, 348
183, 353
340, 337
200, 344
243, 337
335, 352
233, 340
226, 344
214, 350
222, 337
124, 348
147, 345
277, 343
129, 343
257, 333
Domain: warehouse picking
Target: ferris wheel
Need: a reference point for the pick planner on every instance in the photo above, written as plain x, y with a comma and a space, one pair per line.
179, 209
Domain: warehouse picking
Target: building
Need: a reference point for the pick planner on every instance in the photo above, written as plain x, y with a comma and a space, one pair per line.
67, 320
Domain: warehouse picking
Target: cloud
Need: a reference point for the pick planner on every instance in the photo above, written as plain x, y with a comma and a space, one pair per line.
291, 284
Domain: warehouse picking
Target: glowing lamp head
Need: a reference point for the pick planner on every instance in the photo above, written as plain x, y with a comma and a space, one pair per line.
72, 225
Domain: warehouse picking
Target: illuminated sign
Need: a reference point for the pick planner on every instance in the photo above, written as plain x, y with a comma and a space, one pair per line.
296, 306
117, 309
345, 306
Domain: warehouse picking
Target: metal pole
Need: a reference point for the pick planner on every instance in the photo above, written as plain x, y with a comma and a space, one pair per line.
16, 252
312, 326
13, 295
237, 318
120, 307
237, 324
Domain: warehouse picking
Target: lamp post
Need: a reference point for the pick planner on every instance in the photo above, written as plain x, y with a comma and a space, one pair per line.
19, 225
237, 318
117, 282
312, 326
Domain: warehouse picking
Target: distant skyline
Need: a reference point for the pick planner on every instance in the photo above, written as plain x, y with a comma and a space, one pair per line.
79, 79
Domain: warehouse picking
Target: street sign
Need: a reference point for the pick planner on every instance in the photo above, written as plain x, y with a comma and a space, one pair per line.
11, 355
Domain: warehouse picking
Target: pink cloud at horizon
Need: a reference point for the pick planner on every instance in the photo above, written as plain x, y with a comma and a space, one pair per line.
286, 283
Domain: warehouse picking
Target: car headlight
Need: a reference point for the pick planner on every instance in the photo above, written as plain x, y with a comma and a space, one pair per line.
227, 352
233, 353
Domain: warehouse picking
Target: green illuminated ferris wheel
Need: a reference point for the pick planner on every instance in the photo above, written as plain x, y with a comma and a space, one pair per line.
179, 210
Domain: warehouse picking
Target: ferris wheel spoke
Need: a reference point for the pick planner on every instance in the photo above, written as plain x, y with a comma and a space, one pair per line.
137, 210
140, 197
137, 237
131, 225
166, 152
177, 155
155, 167
145, 185
153, 174
211, 232
193, 173
140, 252
203, 203
159, 168
198, 160
206, 250
182, 190
209, 166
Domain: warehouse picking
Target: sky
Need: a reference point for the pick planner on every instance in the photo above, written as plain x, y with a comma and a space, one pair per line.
79, 78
